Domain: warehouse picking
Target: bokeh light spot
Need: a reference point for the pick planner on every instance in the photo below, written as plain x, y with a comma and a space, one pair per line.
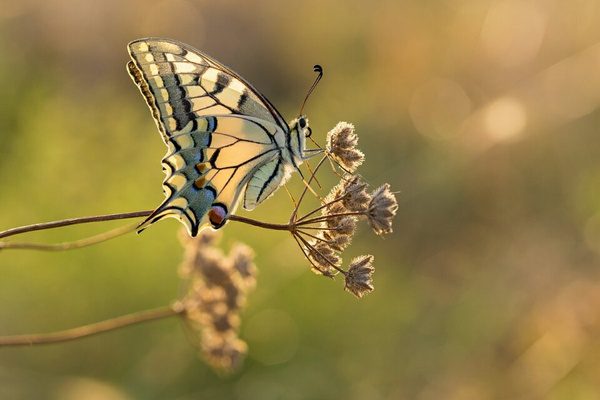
505, 119
512, 32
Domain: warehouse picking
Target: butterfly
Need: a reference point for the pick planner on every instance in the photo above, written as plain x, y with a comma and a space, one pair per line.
226, 142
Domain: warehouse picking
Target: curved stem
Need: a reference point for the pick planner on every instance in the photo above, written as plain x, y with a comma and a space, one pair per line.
72, 221
308, 245
306, 255
92, 329
71, 245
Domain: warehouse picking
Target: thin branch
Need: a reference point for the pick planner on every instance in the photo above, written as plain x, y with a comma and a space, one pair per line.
93, 329
322, 218
317, 251
306, 187
314, 265
72, 221
71, 245
267, 225
361, 187
320, 239
333, 160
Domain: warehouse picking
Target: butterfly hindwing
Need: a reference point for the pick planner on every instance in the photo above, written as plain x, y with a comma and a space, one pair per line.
209, 167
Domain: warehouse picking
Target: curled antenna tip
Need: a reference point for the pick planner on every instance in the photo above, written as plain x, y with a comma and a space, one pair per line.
317, 68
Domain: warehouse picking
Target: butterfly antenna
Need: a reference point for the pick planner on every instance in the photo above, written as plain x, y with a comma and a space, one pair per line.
317, 68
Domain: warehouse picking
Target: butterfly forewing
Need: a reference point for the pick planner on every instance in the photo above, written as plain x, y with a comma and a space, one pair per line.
185, 84
219, 130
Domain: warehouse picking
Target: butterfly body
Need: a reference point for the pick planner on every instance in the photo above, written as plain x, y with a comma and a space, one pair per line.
225, 140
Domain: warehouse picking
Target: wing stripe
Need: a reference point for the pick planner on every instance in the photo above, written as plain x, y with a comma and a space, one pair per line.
193, 97
271, 177
182, 108
222, 82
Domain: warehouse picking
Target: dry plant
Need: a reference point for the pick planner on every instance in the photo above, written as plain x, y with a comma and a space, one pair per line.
217, 285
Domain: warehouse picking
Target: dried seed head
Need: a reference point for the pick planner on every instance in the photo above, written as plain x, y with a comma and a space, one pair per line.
347, 196
217, 289
358, 277
223, 351
215, 270
350, 193
331, 211
382, 209
324, 258
242, 257
340, 236
337, 242
356, 198
341, 144
346, 227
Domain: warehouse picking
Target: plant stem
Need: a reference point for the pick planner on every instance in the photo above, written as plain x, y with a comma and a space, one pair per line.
267, 225
326, 217
307, 185
71, 245
72, 221
92, 329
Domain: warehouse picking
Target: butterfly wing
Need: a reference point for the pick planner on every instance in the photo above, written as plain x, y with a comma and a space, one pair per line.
220, 132
181, 83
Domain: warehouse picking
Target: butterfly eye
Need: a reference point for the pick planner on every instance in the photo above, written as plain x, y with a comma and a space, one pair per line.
302, 123
308, 132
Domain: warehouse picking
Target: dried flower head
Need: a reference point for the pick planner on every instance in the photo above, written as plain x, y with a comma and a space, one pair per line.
358, 276
224, 352
341, 144
324, 258
242, 258
340, 236
355, 197
350, 193
382, 209
217, 289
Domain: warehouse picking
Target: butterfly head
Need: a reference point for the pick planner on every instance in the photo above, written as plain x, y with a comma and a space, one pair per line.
300, 131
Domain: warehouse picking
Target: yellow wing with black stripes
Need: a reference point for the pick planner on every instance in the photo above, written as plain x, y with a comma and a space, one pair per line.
223, 135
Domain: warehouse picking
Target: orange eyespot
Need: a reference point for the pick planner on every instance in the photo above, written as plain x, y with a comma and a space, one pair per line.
217, 215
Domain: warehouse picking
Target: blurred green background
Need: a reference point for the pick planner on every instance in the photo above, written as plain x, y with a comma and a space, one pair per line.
483, 114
